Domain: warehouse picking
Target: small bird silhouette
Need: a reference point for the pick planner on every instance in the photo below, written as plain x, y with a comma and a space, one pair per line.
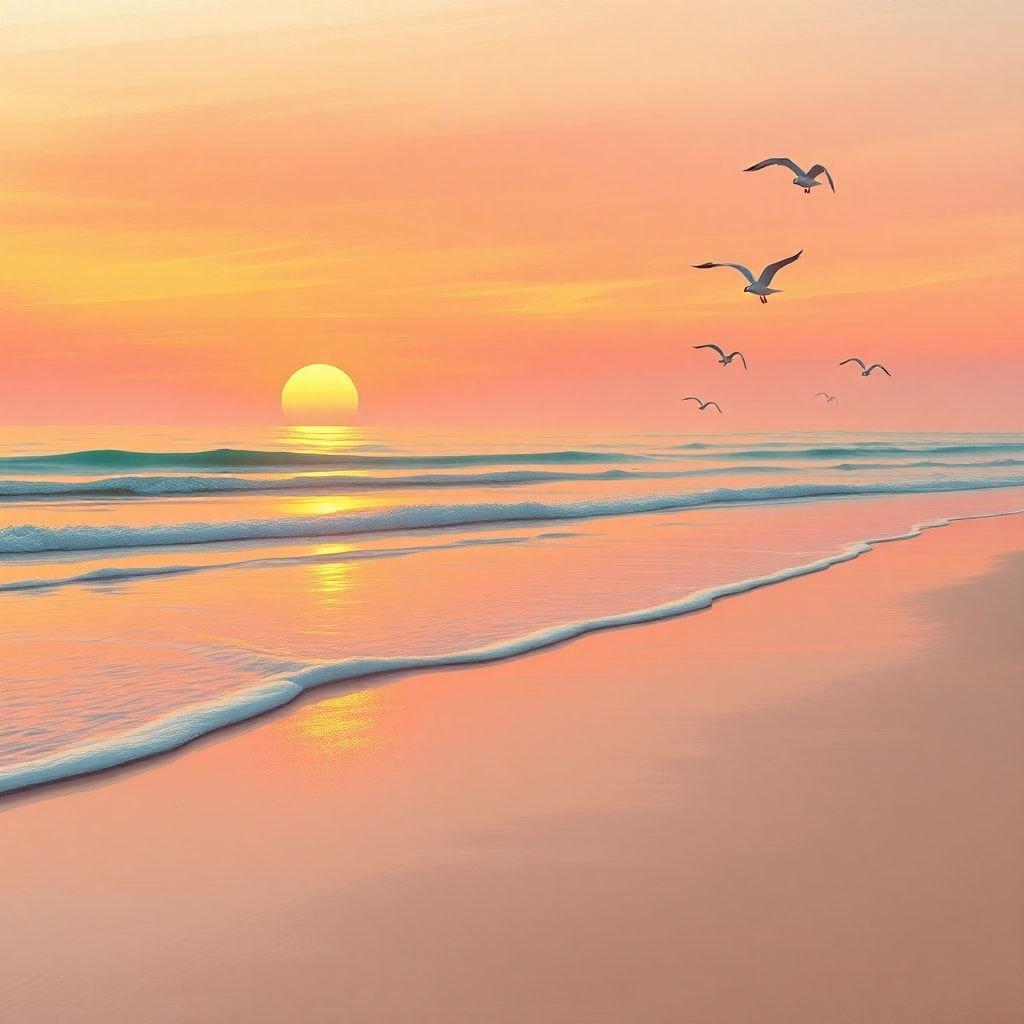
703, 405
829, 399
805, 179
724, 359
865, 371
758, 285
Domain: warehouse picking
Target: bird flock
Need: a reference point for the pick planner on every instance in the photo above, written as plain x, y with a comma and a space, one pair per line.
761, 284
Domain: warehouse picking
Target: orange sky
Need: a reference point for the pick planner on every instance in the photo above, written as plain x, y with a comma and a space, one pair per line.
486, 212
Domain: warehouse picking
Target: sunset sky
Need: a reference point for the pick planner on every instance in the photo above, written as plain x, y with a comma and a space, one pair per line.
487, 212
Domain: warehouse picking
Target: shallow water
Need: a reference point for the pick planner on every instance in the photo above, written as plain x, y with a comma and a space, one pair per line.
155, 591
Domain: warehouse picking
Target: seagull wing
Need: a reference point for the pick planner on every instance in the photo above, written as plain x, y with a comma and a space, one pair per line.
743, 358
715, 404
773, 268
879, 366
821, 394
854, 359
691, 398
715, 347
821, 169
748, 274
781, 161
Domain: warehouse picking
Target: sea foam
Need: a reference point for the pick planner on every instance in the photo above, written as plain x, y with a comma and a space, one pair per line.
32, 539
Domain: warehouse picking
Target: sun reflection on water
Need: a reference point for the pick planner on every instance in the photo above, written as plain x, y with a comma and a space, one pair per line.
333, 730
327, 505
323, 439
332, 580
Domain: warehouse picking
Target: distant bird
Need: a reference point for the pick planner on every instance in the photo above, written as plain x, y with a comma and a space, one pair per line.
703, 405
724, 359
805, 179
828, 398
758, 285
865, 371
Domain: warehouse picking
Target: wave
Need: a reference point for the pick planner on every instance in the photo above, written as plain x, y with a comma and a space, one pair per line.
30, 539
181, 486
183, 727
111, 575
1013, 441
930, 463
242, 459
866, 450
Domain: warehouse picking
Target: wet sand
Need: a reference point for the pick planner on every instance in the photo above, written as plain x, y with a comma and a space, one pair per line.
804, 805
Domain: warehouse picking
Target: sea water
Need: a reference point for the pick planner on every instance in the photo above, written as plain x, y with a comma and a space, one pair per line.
158, 585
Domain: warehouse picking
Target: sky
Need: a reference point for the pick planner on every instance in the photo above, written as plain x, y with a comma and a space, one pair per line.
487, 212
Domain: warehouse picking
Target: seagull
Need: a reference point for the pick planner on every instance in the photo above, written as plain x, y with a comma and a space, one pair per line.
725, 359
865, 371
758, 286
805, 179
828, 398
703, 405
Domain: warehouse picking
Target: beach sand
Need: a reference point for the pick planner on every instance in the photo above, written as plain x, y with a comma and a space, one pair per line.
804, 805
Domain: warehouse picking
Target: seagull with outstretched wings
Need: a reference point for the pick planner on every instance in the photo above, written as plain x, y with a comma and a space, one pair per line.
865, 371
758, 286
726, 358
702, 405
805, 179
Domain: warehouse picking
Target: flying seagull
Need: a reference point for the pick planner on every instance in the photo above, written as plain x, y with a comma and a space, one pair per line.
703, 405
865, 371
805, 179
758, 285
828, 398
726, 359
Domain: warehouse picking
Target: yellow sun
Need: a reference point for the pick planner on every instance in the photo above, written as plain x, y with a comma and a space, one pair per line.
319, 395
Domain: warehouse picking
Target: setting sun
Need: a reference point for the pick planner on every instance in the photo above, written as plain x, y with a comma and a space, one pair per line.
319, 394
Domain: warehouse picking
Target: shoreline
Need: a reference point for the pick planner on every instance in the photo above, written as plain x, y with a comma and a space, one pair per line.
805, 806
149, 745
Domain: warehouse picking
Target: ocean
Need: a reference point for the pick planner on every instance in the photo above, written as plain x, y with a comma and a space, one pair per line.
154, 592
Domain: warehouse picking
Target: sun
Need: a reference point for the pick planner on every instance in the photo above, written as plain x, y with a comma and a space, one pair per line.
319, 395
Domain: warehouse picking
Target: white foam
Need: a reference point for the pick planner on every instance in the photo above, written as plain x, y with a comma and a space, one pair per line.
30, 539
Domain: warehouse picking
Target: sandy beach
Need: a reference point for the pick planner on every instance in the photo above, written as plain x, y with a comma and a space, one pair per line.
804, 805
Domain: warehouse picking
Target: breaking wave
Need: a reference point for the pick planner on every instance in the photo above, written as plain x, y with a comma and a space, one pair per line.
31, 539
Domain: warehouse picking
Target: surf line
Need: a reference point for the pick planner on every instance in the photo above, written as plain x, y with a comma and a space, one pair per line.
181, 728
